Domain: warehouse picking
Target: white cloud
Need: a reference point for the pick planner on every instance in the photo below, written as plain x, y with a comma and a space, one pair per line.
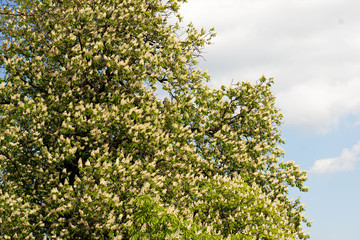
320, 106
345, 162
311, 48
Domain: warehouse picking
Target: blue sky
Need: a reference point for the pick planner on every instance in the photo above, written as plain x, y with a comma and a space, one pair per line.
312, 49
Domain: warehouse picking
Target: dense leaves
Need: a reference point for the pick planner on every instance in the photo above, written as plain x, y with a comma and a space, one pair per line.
89, 151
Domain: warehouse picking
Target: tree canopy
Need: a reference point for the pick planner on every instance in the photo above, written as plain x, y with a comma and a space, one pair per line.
88, 150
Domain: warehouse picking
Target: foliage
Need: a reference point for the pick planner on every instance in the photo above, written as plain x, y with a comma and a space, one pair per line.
88, 150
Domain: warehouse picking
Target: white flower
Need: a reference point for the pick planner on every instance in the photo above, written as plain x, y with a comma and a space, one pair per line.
72, 150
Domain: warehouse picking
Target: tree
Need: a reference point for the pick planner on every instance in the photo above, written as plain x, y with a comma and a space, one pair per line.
88, 150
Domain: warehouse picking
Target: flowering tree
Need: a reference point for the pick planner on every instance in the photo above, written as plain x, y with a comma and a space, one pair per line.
88, 150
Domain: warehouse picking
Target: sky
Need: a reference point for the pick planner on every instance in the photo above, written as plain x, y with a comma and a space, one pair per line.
312, 50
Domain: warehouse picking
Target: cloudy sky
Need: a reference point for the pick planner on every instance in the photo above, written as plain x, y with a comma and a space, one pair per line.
312, 49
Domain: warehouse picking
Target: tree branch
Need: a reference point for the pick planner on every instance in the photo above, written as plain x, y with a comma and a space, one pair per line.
15, 14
